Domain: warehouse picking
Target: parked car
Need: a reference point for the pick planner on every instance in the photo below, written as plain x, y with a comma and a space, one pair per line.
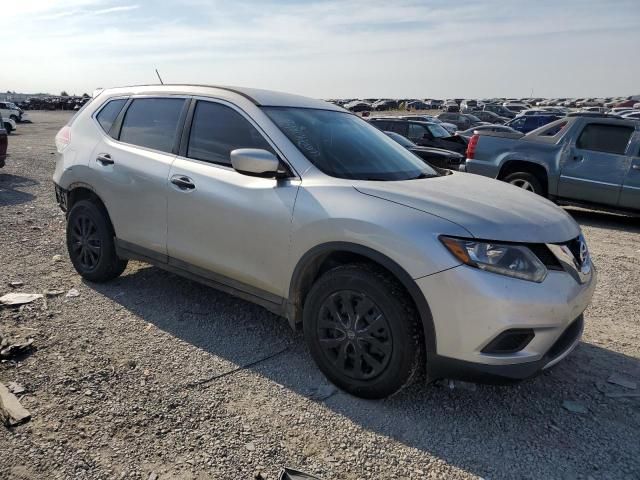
10, 111
516, 106
534, 111
636, 106
620, 110
626, 103
449, 127
450, 106
595, 109
460, 120
526, 124
416, 105
466, 106
581, 159
424, 134
384, 105
486, 128
357, 106
632, 115
436, 157
490, 117
3, 143
305, 209
9, 124
434, 104
499, 110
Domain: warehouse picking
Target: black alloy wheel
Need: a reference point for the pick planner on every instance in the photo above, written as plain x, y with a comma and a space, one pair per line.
354, 334
86, 245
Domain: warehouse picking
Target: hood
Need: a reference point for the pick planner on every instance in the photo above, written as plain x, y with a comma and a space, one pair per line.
436, 151
488, 209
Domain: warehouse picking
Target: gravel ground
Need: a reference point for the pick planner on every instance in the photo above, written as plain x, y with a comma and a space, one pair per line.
121, 384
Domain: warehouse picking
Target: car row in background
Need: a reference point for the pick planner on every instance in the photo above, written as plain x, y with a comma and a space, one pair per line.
510, 106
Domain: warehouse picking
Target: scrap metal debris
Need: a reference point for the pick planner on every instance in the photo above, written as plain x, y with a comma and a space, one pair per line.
16, 388
10, 350
291, 474
617, 379
574, 407
16, 284
12, 412
72, 293
14, 299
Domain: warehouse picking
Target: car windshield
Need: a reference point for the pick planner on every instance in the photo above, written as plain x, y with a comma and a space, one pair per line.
345, 146
405, 142
438, 131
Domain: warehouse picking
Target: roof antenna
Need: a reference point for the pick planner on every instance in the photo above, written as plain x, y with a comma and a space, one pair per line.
159, 77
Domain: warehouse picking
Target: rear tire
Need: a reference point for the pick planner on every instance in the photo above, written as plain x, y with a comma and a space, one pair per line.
526, 181
90, 243
363, 331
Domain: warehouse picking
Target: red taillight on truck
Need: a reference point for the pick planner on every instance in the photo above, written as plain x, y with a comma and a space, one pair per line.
471, 147
63, 138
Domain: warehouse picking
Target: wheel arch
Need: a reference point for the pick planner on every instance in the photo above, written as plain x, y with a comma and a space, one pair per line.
328, 255
83, 191
514, 165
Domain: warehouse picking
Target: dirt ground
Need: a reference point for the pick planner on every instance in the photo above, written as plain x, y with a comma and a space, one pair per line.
122, 382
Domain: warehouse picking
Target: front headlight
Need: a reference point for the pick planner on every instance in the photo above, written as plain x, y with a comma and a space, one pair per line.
512, 260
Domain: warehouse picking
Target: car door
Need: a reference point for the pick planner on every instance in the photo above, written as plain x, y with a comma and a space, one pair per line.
228, 226
130, 166
630, 194
595, 166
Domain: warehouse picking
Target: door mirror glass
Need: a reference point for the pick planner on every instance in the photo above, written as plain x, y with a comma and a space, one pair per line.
254, 161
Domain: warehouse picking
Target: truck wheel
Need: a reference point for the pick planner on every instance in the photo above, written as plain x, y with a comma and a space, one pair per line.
363, 331
90, 243
526, 181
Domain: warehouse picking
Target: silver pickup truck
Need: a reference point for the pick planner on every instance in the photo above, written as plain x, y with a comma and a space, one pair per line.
588, 161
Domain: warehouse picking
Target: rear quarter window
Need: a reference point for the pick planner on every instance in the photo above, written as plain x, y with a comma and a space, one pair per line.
108, 113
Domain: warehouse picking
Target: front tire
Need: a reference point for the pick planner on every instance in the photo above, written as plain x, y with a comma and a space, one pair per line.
526, 181
363, 331
90, 243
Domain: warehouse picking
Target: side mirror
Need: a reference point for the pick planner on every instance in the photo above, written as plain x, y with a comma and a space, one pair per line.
254, 161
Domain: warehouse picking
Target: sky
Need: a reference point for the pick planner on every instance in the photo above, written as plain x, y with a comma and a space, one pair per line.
327, 49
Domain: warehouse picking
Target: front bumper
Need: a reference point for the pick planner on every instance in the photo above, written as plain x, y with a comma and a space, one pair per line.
470, 308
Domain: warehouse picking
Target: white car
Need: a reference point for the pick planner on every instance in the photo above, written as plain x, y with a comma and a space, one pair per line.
9, 110
390, 267
9, 123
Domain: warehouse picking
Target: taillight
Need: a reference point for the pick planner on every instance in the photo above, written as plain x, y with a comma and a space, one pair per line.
471, 147
63, 138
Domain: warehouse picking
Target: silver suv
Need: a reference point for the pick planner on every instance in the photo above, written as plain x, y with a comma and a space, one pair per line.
390, 267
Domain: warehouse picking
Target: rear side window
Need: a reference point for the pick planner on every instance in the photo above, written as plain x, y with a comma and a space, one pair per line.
109, 113
382, 125
605, 138
152, 123
416, 132
216, 130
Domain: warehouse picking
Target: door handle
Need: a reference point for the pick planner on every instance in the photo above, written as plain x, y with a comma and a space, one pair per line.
104, 159
182, 182
577, 158
635, 167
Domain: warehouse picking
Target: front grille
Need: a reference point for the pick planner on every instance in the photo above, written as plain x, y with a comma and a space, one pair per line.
545, 256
